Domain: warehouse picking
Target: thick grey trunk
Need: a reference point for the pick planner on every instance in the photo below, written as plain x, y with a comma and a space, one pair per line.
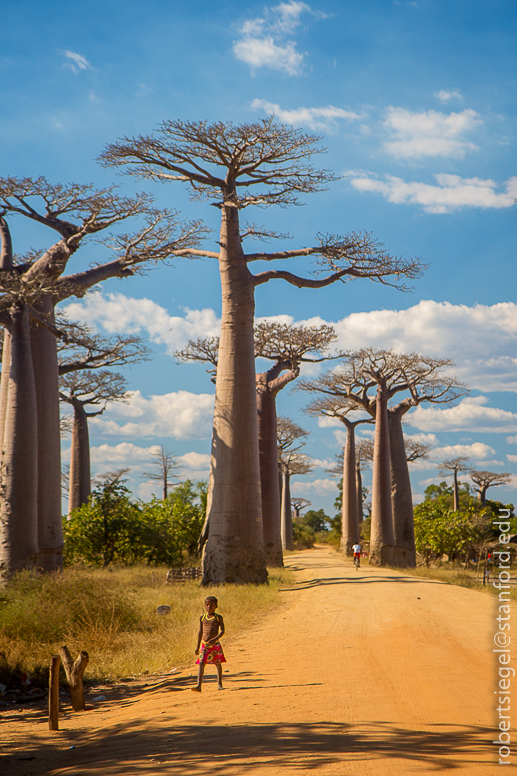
44, 358
234, 551
4, 382
349, 522
80, 476
381, 539
19, 469
267, 435
401, 496
286, 515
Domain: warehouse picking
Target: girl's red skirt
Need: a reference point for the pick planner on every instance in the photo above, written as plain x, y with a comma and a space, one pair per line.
213, 654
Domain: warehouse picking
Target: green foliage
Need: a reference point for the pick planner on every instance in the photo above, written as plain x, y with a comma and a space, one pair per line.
317, 520
107, 529
303, 535
438, 530
112, 528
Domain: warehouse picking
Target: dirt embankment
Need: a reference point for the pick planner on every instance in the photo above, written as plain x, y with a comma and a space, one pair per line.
358, 673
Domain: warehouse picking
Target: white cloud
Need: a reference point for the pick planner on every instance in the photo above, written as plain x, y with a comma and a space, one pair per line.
484, 353
445, 96
75, 62
471, 414
430, 133
119, 314
263, 41
511, 440
316, 487
125, 453
451, 192
512, 458
181, 415
314, 118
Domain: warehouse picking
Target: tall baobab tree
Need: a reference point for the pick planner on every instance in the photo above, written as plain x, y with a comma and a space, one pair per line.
290, 462
340, 408
454, 466
298, 504
485, 480
419, 379
165, 467
28, 295
363, 455
82, 390
238, 166
287, 347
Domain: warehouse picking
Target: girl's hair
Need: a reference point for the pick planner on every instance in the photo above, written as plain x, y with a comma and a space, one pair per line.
212, 598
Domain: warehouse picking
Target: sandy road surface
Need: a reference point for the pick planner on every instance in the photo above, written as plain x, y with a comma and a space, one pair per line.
358, 673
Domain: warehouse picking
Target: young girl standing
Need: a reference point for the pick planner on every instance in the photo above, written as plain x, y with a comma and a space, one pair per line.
211, 628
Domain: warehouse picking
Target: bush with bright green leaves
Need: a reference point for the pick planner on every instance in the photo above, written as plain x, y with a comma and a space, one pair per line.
114, 528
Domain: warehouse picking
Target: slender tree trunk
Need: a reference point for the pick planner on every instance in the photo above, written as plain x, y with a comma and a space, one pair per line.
456, 493
286, 516
359, 491
267, 436
349, 522
6, 263
381, 539
44, 357
19, 470
234, 551
80, 475
401, 496
482, 496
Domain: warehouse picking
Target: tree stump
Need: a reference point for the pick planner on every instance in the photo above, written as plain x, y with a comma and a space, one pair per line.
74, 675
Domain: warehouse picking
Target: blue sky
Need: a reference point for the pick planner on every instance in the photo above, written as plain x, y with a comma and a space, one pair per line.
415, 102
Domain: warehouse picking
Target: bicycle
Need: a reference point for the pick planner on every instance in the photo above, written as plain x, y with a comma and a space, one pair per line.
357, 562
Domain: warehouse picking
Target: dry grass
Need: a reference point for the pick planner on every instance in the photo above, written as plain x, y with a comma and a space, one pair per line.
112, 615
459, 576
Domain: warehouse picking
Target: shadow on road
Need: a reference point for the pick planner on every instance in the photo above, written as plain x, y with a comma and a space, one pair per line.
232, 750
304, 584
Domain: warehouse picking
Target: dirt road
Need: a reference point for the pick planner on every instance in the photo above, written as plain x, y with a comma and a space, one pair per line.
359, 673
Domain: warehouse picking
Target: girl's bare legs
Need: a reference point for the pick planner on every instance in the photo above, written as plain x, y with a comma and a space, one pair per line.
219, 667
200, 673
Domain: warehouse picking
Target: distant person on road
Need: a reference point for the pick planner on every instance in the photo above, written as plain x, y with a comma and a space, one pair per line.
356, 549
211, 628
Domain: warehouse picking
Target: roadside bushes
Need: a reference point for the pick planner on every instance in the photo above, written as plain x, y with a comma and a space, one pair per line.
113, 528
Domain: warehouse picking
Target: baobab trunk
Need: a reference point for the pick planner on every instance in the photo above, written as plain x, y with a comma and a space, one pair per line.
44, 358
401, 496
381, 538
267, 437
19, 470
6, 263
234, 551
359, 492
456, 492
349, 522
80, 477
286, 516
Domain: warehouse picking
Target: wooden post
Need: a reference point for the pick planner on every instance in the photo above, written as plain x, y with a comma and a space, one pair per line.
53, 694
74, 674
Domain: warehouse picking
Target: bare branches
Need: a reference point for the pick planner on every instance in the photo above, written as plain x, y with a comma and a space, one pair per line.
93, 389
416, 450
454, 466
84, 350
356, 255
280, 341
165, 464
484, 480
225, 158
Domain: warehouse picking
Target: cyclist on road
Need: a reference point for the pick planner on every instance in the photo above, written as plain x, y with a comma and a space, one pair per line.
356, 549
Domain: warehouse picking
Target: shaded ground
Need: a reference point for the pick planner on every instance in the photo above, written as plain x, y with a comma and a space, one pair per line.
359, 672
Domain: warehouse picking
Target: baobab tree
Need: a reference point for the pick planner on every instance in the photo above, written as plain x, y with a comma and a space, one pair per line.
290, 438
341, 408
299, 504
454, 466
388, 373
29, 293
485, 480
81, 390
238, 166
165, 467
288, 347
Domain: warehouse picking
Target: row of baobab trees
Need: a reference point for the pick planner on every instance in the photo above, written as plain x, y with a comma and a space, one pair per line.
234, 167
